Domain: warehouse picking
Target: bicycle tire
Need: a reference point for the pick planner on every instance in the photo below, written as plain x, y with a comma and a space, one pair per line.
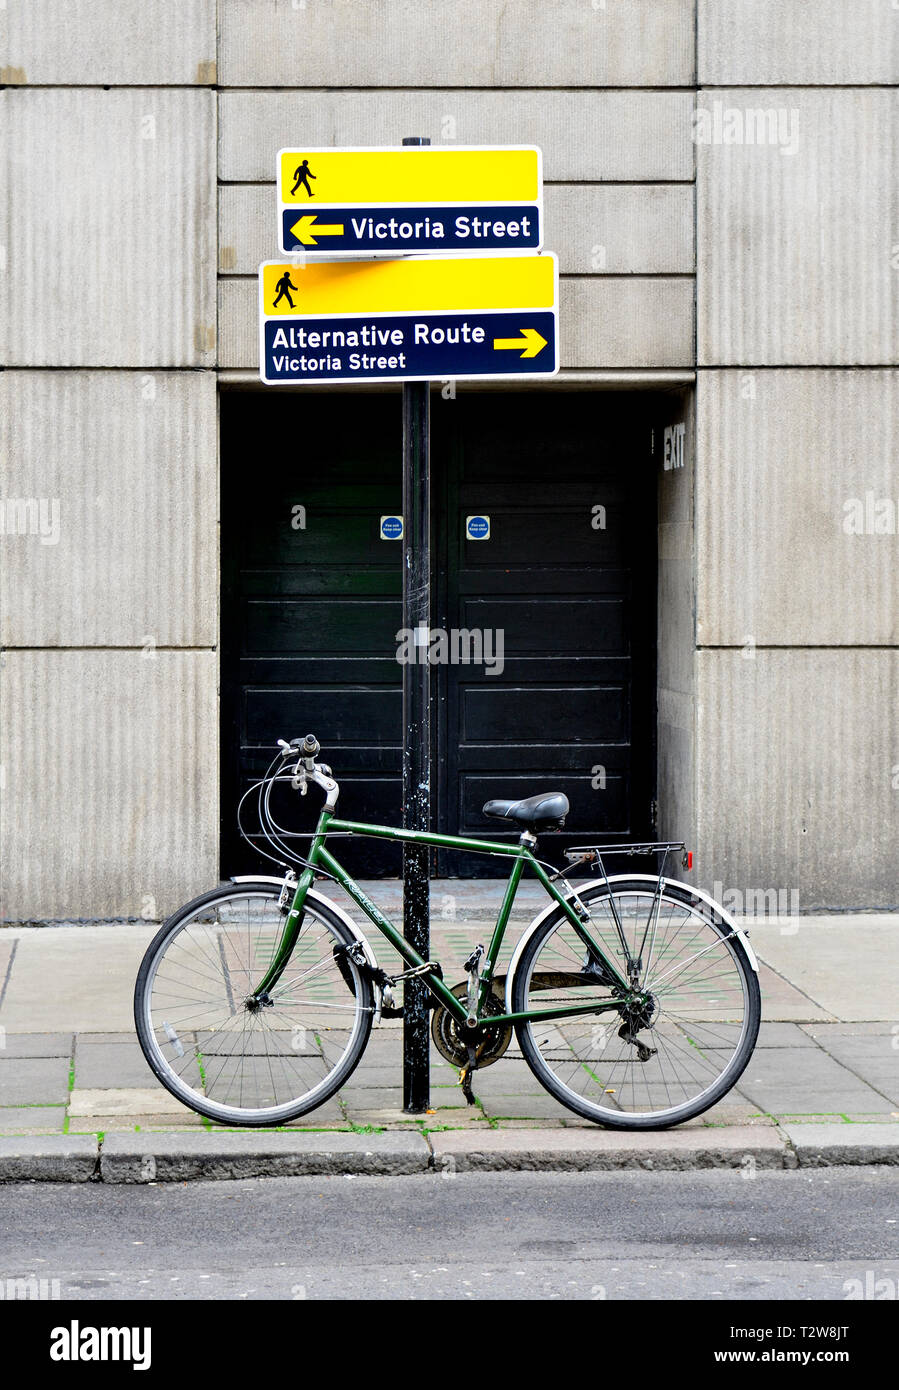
551, 1049
206, 1038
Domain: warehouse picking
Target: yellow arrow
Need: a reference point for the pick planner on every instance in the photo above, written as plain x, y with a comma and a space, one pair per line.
531, 341
306, 231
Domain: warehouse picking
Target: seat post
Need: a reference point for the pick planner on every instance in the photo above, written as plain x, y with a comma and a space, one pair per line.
528, 838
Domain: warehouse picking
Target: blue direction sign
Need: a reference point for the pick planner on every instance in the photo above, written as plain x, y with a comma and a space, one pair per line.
418, 319
362, 231
437, 198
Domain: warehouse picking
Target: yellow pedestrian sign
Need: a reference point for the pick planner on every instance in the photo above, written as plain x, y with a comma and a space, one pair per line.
413, 319
401, 200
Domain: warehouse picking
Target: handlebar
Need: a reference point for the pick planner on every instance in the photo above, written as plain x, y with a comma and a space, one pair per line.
308, 770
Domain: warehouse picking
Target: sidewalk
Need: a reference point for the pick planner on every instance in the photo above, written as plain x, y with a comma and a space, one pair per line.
822, 1087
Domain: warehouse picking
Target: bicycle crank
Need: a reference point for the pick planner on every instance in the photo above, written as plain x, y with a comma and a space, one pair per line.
455, 1043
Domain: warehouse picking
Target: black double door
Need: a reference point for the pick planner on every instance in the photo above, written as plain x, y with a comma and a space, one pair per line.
543, 613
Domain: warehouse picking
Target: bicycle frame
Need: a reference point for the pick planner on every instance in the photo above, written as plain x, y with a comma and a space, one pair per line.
521, 857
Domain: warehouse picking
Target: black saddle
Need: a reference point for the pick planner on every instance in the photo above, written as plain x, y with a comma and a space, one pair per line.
546, 811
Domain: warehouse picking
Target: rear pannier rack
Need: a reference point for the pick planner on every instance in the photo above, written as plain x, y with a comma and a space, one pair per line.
593, 854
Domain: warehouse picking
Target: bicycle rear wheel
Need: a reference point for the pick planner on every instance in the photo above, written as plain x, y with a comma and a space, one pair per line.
217, 1049
683, 1051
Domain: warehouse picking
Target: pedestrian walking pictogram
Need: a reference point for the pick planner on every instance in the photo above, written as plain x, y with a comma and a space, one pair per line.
302, 174
284, 286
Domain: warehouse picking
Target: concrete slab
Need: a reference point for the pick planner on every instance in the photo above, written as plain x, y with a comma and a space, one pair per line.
782, 1001
784, 1035
107, 852
102, 41
482, 43
140, 445
75, 978
132, 1100
34, 1080
111, 1064
131, 1159
32, 1119
823, 1146
778, 1085
35, 1044
575, 1151
50, 1158
848, 964
162, 141
879, 1041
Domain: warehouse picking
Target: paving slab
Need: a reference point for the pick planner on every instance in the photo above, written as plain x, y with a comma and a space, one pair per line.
50, 1158
779, 1083
572, 1150
130, 1100
35, 1044
870, 1044
773, 1034
32, 1119
848, 964
75, 978
856, 1029
781, 1000
825, 1146
132, 1159
119, 1063
33, 1080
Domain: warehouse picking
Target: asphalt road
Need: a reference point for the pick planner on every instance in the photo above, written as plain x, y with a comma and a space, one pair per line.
634, 1235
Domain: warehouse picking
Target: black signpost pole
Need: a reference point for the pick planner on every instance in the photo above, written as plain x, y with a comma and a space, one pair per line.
416, 725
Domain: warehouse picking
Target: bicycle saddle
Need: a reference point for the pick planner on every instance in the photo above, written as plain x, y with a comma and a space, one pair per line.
546, 811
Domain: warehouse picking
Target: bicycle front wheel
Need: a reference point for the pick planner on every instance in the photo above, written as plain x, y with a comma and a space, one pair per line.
215, 1047
670, 1059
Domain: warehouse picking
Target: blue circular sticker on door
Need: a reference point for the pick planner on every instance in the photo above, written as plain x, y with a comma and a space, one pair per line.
477, 528
391, 528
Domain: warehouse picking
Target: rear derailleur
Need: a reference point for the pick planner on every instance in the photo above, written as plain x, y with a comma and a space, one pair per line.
638, 1013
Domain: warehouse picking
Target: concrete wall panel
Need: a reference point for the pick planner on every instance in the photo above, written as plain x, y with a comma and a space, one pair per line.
798, 469
794, 41
797, 250
110, 798
469, 43
139, 42
618, 228
626, 322
121, 469
795, 764
583, 135
110, 253
604, 322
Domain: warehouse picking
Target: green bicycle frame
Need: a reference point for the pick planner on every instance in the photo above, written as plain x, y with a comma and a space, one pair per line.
520, 856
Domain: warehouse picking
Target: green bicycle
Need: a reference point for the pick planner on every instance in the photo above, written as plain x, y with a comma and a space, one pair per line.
635, 1001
